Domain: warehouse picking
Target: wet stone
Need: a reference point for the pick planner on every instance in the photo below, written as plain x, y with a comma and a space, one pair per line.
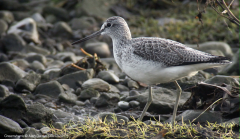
97, 84
52, 88
36, 57
108, 76
132, 84
121, 87
67, 97
134, 93
8, 126
36, 65
123, 105
88, 94
134, 104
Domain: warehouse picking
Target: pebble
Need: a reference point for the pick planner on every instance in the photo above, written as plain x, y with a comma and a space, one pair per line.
123, 105
45, 130
3, 91
97, 84
88, 93
52, 88
100, 48
9, 127
108, 76
134, 104
110, 117
13, 42
134, 93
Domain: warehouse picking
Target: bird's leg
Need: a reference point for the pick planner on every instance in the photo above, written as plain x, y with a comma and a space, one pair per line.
177, 101
148, 102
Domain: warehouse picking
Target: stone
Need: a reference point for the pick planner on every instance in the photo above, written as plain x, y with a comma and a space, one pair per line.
7, 16
11, 72
52, 89
52, 73
9, 127
108, 76
65, 117
37, 112
30, 133
67, 56
107, 98
13, 42
56, 11
219, 46
108, 116
123, 105
3, 91
3, 27
220, 79
73, 79
3, 57
232, 68
134, 104
190, 115
97, 84
61, 29
37, 17
29, 82
134, 93
88, 94
132, 84
27, 29
36, 57
31, 48
232, 121
21, 63
36, 66
121, 87
67, 97
163, 100
83, 23
113, 89
100, 48
45, 130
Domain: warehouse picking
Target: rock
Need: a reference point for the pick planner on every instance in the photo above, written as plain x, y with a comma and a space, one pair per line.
83, 23
58, 125
208, 116
3, 57
27, 29
68, 97
213, 46
65, 117
132, 84
21, 63
13, 42
123, 105
134, 93
108, 76
3, 91
35, 49
20, 15
45, 130
29, 82
134, 104
3, 27
56, 64
111, 64
107, 98
7, 16
97, 84
163, 100
11, 72
56, 11
67, 56
52, 88
61, 29
88, 94
113, 89
52, 73
37, 112
100, 48
165, 20
36, 66
232, 121
110, 117
121, 87
36, 57
9, 127
232, 68
37, 17
220, 79
73, 79
31, 133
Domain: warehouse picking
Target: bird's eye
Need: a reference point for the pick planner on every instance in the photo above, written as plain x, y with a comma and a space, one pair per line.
108, 24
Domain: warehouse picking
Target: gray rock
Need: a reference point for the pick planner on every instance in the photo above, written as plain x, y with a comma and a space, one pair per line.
13, 42
52, 73
107, 98
132, 84
61, 29
100, 48
56, 11
7, 16
65, 117
51, 18
134, 93
73, 79
123, 105
134, 104
36, 65
232, 121
163, 100
111, 117
29, 82
9, 127
35, 49
21, 63
3, 26
189, 115
214, 46
55, 64
67, 56
3, 91
121, 87
108, 76
36, 57
37, 112
58, 125
97, 84
37, 17
233, 68
52, 88
113, 89
3, 57
67, 97
220, 79
31, 133
45, 130
83, 23
88, 94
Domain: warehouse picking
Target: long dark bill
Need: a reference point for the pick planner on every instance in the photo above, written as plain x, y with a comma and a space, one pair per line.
88, 37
